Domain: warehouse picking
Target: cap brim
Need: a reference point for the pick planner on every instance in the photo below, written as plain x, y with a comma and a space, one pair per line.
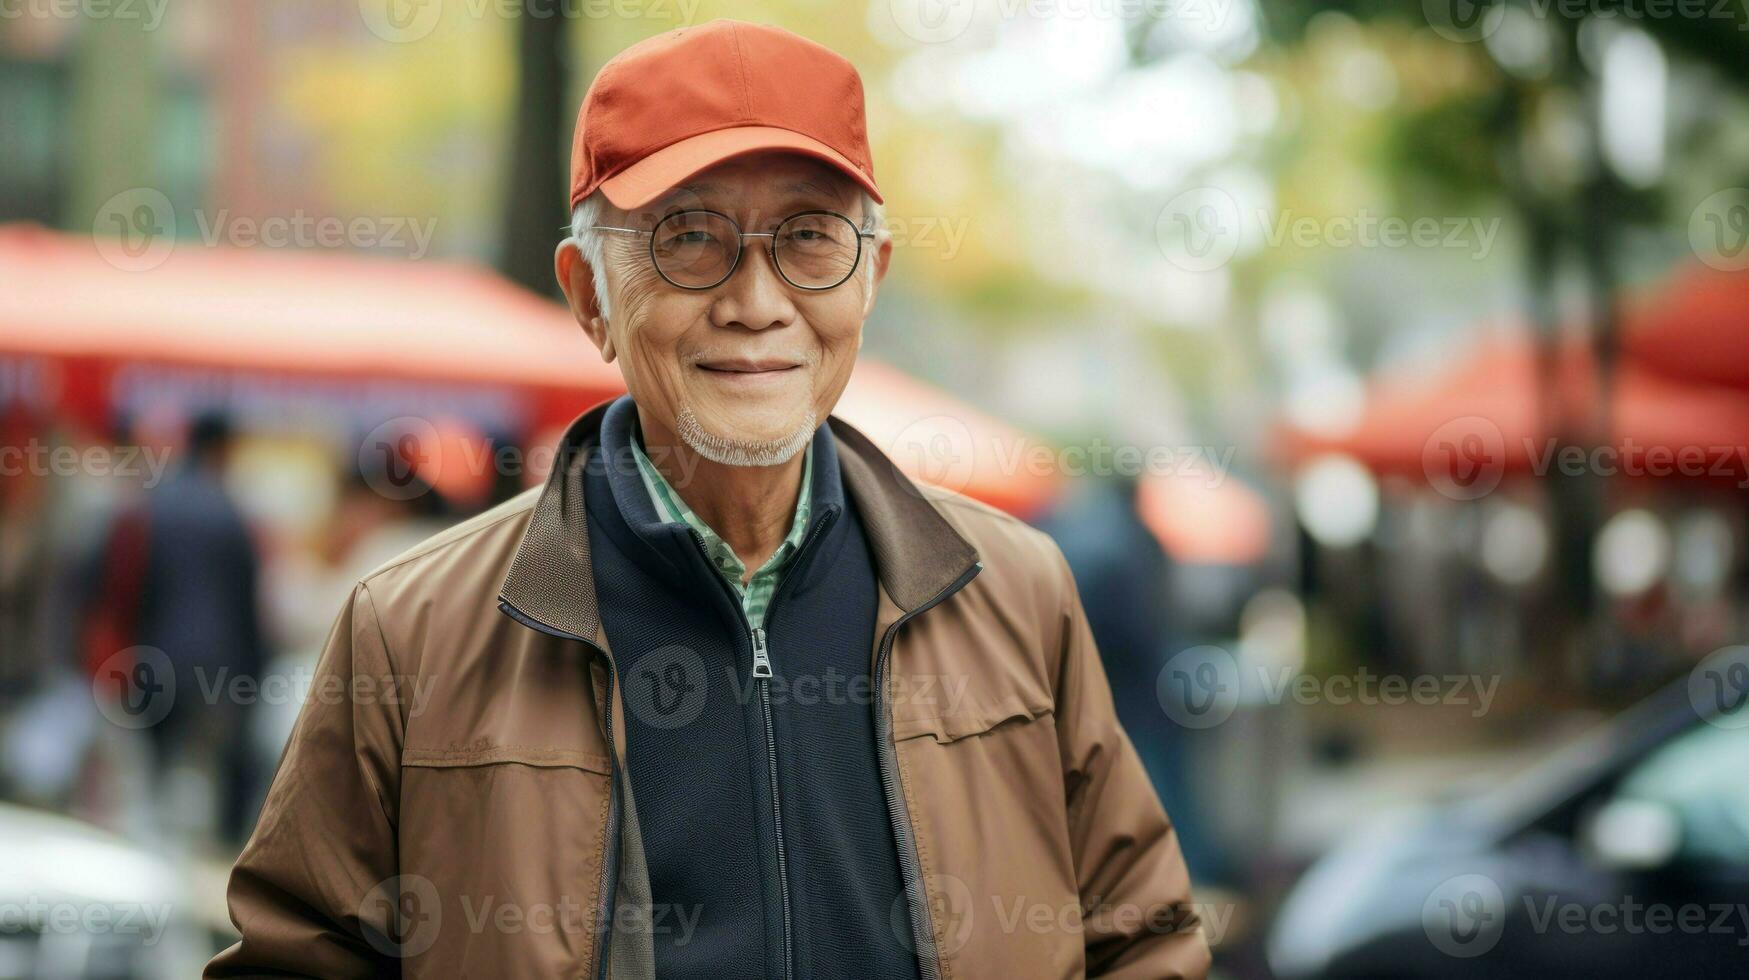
663, 170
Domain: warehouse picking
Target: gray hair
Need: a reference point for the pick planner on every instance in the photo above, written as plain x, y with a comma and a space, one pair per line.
592, 244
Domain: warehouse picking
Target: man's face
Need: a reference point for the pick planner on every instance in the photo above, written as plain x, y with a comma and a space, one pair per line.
742, 372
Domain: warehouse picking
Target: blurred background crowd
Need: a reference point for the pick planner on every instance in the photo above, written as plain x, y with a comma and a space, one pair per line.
1381, 368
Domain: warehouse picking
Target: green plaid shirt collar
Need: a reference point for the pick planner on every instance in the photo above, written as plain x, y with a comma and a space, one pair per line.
756, 595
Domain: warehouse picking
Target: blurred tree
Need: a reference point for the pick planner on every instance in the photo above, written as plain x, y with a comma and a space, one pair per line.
540, 146
1508, 137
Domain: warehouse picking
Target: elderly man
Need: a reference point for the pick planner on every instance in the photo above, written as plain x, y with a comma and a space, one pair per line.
730, 696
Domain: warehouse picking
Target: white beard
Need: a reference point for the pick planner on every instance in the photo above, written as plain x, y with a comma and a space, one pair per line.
737, 452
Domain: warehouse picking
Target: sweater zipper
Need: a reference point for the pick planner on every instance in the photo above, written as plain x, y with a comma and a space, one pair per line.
910, 867
761, 672
762, 661
610, 853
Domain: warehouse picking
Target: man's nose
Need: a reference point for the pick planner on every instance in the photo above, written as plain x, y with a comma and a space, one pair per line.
756, 296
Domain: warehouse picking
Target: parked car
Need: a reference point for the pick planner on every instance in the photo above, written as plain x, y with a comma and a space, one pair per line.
77, 903
1625, 854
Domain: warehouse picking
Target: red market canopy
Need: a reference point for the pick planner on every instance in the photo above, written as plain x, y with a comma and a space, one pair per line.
1204, 517
83, 319
1488, 412
1694, 327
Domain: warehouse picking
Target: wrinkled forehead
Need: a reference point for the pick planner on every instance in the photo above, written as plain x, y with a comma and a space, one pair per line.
759, 189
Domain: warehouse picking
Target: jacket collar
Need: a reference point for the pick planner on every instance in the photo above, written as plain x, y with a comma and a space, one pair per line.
917, 553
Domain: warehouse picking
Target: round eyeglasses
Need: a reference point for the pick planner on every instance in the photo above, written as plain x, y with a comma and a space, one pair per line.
700, 249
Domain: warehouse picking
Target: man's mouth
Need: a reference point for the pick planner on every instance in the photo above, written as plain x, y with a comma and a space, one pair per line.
755, 366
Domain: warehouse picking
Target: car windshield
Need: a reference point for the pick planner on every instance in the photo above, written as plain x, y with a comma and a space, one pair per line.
1700, 776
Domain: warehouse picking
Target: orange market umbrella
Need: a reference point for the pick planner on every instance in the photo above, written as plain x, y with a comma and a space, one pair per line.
286, 312
1202, 518
1487, 412
937, 439
73, 310
1694, 327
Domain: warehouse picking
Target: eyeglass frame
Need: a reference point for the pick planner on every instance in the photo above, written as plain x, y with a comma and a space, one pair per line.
741, 248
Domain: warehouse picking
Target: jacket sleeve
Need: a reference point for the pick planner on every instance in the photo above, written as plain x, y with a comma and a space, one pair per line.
1140, 923
308, 892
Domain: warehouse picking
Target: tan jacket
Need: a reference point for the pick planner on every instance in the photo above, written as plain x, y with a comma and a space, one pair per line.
444, 804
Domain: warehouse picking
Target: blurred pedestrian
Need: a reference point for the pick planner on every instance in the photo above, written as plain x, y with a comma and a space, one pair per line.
196, 567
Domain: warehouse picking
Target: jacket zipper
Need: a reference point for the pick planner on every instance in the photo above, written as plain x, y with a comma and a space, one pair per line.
910, 867
610, 857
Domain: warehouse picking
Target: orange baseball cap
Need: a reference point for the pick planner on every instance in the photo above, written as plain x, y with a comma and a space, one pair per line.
677, 103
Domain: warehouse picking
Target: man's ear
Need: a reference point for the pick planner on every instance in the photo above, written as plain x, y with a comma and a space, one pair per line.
882, 257
577, 280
